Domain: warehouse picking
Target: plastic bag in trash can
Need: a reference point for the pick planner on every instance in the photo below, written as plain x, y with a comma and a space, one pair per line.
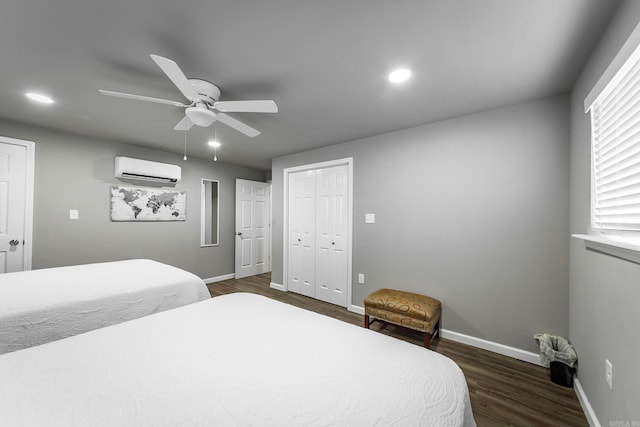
555, 349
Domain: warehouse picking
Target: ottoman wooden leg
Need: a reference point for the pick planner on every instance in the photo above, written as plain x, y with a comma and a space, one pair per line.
427, 339
366, 321
428, 336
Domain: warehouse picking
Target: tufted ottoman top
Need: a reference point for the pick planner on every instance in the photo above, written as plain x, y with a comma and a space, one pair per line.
404, 303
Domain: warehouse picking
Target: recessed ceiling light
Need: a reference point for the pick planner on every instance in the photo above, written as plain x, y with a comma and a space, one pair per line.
214, 144
400, 75
38, 97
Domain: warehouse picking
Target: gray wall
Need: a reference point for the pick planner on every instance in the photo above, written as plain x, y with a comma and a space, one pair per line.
473, 211
605, 291
76, 172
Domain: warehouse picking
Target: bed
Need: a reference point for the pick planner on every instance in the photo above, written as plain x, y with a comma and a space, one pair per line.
44, 305
237, 359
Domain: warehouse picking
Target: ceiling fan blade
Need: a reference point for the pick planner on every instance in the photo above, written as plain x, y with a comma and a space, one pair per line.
263, 106
237, 125
176, 75
141, 98
184, 125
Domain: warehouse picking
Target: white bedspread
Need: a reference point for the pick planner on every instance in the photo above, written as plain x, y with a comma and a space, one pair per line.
44, 305
238, 359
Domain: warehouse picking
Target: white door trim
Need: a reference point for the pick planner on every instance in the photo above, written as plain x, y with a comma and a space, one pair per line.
30, 147
348, 161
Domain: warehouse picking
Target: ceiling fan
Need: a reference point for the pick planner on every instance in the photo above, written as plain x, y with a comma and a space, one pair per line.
204, 106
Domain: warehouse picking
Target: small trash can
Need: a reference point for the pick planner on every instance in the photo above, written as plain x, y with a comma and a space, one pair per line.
560, 356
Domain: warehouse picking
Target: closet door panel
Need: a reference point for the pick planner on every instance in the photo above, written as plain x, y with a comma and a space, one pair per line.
339, 235
302, 233
331, 266
323, 236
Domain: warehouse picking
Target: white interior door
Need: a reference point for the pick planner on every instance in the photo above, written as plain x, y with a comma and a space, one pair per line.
331, 234
301, 244
252, 228
13, 206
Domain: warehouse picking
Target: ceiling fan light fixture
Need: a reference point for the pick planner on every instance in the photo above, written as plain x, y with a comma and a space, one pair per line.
200, 116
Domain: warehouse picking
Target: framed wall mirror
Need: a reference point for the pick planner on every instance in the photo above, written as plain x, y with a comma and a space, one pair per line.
209, 212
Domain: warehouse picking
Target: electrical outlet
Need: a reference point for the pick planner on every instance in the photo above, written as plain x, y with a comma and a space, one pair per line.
361, 278
608, 373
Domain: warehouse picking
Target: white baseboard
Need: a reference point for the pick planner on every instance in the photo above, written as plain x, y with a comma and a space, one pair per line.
505, 350
356, 309
219, 278
278, 286
589, 413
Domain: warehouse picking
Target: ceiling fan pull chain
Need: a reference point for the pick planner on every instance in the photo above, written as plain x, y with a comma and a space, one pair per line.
185, 146
215, 148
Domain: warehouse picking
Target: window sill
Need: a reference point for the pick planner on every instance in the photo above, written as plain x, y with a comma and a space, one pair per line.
608, 246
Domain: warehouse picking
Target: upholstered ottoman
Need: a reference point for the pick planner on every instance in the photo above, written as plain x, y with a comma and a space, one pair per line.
407, 309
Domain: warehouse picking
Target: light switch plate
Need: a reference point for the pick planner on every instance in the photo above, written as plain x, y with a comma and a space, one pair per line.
73, 214
369, 218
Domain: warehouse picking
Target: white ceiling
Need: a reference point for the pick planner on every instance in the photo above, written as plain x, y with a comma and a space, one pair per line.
323, 62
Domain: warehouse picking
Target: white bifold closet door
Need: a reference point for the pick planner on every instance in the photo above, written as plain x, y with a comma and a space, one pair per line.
318, 233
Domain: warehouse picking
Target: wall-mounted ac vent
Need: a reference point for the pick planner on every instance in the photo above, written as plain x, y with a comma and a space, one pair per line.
144, 170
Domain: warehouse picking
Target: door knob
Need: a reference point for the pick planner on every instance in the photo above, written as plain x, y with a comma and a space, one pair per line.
239, 233
14, 242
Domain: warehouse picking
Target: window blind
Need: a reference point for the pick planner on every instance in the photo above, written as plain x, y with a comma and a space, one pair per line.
615, 138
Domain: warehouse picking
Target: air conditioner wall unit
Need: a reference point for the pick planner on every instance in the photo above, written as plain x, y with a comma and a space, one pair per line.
145, 170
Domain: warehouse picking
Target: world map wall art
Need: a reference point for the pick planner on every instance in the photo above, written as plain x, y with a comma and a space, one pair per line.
147, 204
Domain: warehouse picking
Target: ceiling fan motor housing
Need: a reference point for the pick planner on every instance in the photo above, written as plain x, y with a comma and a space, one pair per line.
208, 92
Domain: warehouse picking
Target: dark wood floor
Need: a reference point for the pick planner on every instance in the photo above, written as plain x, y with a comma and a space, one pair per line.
504, 391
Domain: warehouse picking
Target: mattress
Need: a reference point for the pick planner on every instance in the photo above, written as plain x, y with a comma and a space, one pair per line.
239, 360
44, 305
